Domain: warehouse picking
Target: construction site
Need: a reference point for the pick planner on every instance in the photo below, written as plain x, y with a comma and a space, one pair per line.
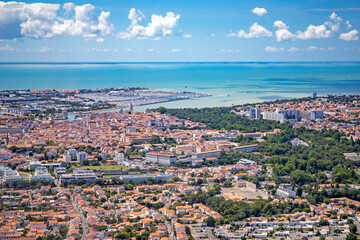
243, 190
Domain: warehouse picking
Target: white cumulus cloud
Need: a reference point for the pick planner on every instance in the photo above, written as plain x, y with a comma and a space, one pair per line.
314, 32
41, 20
282, 34
68, 6
230, 50
334, 24
7, 47
158, 27
325, 30
294, 49
350, 36
86, 24
274, 49
44, 49
259, 11
256, 31
348, 24
312, 48
175, 50
187, 36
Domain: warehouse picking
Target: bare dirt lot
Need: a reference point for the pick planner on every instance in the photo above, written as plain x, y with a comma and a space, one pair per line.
236, 193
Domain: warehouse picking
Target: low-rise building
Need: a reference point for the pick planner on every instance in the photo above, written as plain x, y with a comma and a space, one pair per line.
162, 158
141, 178
283, 193
41, 173
78, 174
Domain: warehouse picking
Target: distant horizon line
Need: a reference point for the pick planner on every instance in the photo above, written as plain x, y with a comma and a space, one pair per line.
190, 62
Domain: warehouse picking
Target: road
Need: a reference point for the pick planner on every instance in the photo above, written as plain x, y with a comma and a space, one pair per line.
356, 222
193, 233
82, 217
210, 234
168, 226
30, 198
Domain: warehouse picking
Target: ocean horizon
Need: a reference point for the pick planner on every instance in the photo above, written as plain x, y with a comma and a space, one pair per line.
188, 62
229, 83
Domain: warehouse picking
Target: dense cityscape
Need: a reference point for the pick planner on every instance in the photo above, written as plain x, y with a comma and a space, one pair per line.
180, 120
286, 169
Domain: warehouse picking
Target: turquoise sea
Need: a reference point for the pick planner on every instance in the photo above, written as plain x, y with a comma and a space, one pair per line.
228, 83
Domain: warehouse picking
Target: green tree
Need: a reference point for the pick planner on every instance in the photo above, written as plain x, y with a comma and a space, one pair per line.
155, 139
353, 228
63, 230
210, 221
129, 186
351, 236
300, 177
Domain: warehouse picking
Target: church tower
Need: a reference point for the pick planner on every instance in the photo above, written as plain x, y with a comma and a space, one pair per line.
131, 108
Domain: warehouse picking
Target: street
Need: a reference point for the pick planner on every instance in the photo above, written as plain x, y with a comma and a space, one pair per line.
210, 234
82, 217
168, 226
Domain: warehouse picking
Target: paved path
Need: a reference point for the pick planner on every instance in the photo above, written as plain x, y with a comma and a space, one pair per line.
210, 234
82, 217
168, 226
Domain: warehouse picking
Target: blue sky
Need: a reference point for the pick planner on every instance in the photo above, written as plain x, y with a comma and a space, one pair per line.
179, 30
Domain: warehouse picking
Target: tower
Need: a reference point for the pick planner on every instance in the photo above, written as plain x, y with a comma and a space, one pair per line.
131, 107
65, 114
52, 118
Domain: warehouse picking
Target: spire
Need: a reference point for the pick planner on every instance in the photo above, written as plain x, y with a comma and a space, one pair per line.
131, 107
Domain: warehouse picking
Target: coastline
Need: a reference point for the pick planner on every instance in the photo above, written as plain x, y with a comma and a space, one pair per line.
118, 108
195, 62
228, 84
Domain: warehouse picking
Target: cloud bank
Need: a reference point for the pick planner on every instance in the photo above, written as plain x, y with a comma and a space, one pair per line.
325, 30
158, 27
42, 20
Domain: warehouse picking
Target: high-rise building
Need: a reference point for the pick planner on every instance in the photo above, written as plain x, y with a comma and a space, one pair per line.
252, 112
313, 95
312, 115
255, 113
317, 115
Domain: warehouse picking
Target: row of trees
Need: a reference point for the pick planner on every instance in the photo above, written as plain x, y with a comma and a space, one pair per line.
28, 184
221, 118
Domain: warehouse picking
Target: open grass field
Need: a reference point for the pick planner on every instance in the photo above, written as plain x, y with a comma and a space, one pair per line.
106, 168
25, 174
236, 193
135, 157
